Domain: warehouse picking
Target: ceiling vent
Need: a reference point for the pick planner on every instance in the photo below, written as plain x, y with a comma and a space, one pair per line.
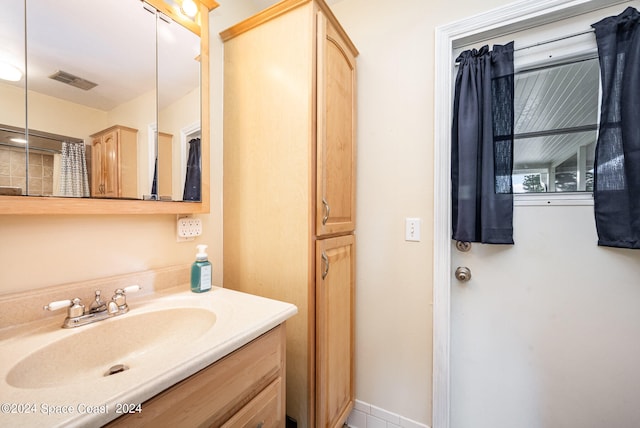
70, 79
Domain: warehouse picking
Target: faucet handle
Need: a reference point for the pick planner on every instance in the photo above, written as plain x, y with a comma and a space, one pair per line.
75, 307
132, 289
54, 306
119, 295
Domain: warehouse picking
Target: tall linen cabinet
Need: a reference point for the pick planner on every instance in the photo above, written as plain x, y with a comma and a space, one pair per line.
289, 191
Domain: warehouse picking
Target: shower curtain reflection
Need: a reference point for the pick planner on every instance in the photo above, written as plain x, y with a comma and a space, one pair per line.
74, 180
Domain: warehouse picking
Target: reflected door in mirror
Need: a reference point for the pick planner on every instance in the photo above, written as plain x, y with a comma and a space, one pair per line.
179, 114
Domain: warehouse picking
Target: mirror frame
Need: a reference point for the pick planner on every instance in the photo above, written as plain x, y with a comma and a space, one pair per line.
40, 205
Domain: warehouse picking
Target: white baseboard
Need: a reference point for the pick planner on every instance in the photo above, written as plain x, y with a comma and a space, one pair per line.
365, 415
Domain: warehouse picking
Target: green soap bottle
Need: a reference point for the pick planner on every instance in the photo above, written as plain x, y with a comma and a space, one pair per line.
201, 271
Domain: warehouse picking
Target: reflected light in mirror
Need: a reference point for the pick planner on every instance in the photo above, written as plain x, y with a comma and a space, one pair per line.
9, 72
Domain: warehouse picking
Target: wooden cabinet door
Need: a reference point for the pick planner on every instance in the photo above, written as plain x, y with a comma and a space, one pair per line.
336, 144
97, 168
266, 410
335, 294
111, 143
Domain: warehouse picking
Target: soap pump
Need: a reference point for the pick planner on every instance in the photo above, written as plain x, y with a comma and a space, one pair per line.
201, 271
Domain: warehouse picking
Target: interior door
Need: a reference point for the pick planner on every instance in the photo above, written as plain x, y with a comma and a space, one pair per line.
545, 333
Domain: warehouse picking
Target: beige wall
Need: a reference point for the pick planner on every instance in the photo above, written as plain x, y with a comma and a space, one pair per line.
395, 181
395, 164
49, 114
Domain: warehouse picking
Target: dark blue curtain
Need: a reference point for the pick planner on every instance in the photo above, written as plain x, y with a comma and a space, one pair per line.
482, 146
617, 170
193, 180
154, 184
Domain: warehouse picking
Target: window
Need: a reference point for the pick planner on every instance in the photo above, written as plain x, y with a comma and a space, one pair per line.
556, 105
556, 116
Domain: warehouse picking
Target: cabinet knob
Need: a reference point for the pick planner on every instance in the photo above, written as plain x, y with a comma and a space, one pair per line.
260, 424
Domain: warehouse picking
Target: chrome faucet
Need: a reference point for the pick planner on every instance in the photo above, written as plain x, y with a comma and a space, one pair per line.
98, 310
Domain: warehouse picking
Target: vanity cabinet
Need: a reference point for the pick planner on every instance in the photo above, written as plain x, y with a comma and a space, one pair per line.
244, 389
289, 191
114, 163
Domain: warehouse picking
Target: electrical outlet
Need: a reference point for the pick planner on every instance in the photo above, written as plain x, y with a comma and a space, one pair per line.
188, 228
412, 229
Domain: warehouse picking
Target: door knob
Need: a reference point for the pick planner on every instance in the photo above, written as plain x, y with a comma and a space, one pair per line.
463, 274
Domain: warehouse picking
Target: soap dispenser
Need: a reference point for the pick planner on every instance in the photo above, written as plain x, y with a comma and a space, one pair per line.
201, 271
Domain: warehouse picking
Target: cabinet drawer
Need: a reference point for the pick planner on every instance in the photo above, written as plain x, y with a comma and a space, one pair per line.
214, 394
264, 411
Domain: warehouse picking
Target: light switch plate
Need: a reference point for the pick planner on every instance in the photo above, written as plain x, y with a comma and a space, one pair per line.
412, 229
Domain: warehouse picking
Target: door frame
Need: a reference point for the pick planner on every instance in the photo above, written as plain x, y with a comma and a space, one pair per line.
513, 17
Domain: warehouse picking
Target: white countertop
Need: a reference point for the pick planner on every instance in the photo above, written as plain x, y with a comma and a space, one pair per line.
94, 400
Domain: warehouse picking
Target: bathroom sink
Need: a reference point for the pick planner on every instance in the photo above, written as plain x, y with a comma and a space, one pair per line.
124, 342
79, 376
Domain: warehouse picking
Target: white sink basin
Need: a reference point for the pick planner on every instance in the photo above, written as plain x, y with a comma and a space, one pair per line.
129, 339
164, 338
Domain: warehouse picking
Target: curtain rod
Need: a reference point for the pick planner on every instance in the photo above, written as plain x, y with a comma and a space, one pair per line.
546, 42
557, 39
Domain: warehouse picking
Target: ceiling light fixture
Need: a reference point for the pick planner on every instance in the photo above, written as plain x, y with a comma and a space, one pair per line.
189, 8
9, 72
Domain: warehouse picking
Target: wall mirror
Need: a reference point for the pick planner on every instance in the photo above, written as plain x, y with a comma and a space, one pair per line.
108, 111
